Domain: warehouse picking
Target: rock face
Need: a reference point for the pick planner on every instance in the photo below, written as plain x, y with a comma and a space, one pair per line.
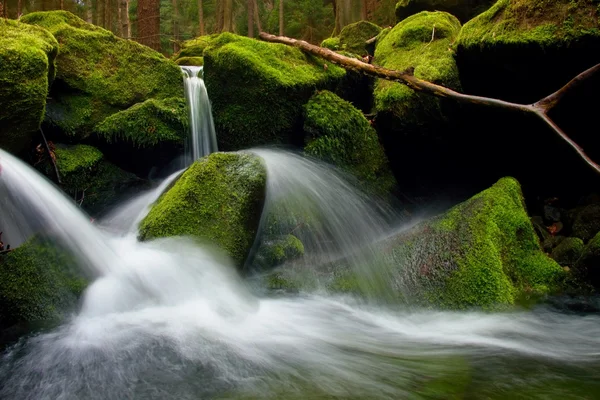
353, 37
218, 199
257, 89
587, 267
339, 133
27, 55
99, 74
464, 10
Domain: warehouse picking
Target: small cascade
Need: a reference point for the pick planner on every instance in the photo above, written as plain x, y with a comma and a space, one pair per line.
203, 139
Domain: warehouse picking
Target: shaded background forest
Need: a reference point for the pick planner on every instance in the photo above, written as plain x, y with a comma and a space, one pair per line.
163, 24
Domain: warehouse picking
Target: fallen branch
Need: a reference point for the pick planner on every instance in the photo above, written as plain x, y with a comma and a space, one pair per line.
50, 156
539, 109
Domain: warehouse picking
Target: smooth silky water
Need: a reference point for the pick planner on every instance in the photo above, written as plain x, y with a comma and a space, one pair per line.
172, 320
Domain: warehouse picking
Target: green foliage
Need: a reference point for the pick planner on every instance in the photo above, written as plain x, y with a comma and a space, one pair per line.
568, 251
409, 44
463, 10
99, 73
147, 124
332, 43
38, 281
27, 56
270, 83
310, 20
219, 199
76, 164
340, 134
532, 22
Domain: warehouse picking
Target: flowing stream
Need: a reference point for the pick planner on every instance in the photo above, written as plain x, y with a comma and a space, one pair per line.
169, 319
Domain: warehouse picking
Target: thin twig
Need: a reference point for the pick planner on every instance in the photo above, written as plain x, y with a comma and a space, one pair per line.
50, 156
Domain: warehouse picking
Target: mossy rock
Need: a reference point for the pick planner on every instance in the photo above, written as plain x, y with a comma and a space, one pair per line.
568, 251
88, 178
587, 268
193, 48
278, 250
38, 281
339, 134
587, 222
99, 73
218, 199
27, 55
190, 61
522, 50
270, 83
353, 37
464, 10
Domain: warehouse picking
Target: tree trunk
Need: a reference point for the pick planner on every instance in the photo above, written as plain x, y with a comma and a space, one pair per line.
363, 10
124, 13
4, 9
175, 27
100, 4
149, 23
107, 15
119, 18
201, 17
127, 19
227, 16
220, 10
88, 12
280, 17
540, 109
250, 18
19, 8
257, 17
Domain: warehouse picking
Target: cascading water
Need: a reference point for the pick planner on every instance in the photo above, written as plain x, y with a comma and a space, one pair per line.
203, 139
170, 320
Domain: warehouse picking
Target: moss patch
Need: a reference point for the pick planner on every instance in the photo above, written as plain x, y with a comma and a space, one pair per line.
147, 124
276, 251
38, 281
463, 10
340, 134
99, 73
568, 251
27, 55
353, 37
587, 268
194, 47
257, 89
219, 199
190, 61
586, 223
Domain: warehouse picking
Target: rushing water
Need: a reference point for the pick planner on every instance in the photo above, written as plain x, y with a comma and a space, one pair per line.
203, 139
171, 320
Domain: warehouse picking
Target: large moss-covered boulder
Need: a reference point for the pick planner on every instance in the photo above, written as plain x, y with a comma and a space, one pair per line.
89, 178
482, 253
27, 56
193, 48
353, 38
218, 199
413, 126
38, 281
340, 134
257, 89
464, 10
99, 73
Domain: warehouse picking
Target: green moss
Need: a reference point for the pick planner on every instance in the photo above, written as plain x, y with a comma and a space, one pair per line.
463, 10
340, 134
354, 36
27, 55
278, 250
147, 124
587, 222
190, 61
587, 268
271, 82
99, 73
194, 47
77, 163
219, 199
38, 281
409, 45
332, 43
483, 252
568, 251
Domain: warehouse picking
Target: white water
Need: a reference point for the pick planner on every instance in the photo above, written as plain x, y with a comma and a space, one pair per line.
171, 320
203, 139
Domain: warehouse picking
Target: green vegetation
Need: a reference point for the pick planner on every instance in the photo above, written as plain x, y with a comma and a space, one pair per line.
27, 56
190, 61
409, 45
148, 124
353, 37
38, 281
587, 222
257, 89
276, 251
219, 199
339, 133
99, 74
193, 48
568, 251
463, 10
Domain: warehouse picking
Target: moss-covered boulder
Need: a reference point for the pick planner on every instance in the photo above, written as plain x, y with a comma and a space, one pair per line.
99, 73
190, 61
193, 48
27, 55
340, 134
257, 89
587, 268
276, 251
414, 127
586, 222
568, 251
464, 10
89, 178
353, 38
38, 281
218, 199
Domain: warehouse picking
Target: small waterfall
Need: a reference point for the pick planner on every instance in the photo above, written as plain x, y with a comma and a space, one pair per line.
203, 139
